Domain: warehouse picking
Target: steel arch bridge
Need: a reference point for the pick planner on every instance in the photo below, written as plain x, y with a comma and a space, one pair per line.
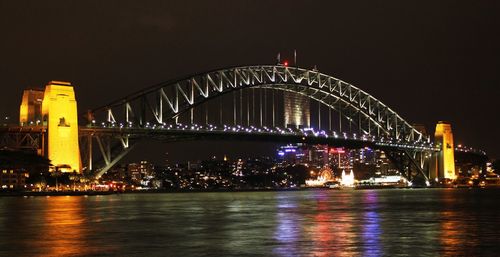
360, 119
166, 101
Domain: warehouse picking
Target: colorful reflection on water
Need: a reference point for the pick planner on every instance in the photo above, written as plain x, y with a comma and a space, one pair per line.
288, 229
371, 226
298, 223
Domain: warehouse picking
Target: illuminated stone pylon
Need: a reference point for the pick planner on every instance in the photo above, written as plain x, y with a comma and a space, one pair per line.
444, 166
30, 111
59, 112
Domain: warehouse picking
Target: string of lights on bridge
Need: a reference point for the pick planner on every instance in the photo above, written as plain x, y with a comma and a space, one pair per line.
303, 132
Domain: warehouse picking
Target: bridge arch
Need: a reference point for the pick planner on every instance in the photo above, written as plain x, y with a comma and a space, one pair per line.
165, 101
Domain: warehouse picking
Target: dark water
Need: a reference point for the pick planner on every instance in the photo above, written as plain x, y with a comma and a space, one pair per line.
423, 222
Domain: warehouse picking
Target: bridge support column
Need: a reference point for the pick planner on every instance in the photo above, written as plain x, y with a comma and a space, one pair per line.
445, 159
59, 112
112, 154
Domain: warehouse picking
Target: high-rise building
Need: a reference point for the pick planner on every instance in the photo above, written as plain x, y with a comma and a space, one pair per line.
318, 155
297, 110
293, 153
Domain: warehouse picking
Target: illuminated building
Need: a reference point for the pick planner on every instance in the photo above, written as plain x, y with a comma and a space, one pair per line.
292, 153
30, 111
318, 155
304, 154
238, 168
338, 158
59, 112
297, 110
12, 179
446, 157
140, 173
133, 170
147, 168
382, 163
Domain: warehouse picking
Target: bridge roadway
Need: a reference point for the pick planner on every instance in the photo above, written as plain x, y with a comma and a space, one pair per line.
7, 128
179, 132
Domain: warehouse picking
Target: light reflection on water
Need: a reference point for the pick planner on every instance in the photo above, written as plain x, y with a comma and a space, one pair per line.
65, 216
371, 226
426, 222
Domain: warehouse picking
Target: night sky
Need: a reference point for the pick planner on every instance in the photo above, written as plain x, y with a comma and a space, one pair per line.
428, 60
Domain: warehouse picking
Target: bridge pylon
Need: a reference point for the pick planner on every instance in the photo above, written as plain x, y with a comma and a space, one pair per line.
443, 162
60, 116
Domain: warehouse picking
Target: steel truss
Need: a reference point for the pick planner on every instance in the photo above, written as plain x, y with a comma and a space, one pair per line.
411, 163
164, 102
24, 138
111, 147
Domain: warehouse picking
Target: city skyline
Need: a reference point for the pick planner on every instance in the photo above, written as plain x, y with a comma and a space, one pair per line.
454, 80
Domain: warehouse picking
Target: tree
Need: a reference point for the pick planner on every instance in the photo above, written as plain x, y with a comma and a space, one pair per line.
496, 166
24, 160
74, 176
56, 174
85, 178
298, 173
37, 166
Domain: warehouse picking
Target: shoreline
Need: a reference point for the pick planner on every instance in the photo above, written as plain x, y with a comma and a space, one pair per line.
166, 191
152, 191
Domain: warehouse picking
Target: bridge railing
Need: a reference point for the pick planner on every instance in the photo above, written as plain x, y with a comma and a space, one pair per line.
152, 128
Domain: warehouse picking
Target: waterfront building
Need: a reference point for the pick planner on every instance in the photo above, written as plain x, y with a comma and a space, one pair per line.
13, 179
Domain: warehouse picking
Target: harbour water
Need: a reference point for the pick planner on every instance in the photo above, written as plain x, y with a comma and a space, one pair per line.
393, 222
